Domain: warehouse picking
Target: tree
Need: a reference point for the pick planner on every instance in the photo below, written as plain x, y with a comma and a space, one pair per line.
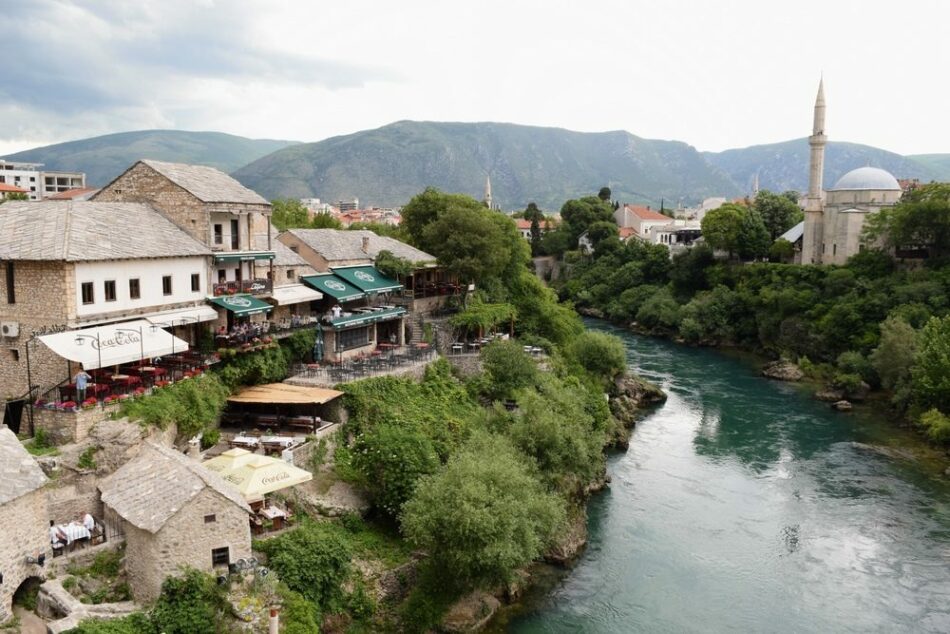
601, 230
468, 243
391, 459
753, 240
325, 220
483, 516
533, 214
721, 227
578, 215
599, 353
781, 251
507, 368
392, 265
189, 604
604, 194
287, 213
14, 196
920, 220
931, 370
425, 208
778, 212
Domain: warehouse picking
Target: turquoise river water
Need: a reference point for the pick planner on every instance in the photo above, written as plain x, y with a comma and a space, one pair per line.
742, 505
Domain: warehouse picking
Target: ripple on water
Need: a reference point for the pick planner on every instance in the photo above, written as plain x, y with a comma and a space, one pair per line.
742, 505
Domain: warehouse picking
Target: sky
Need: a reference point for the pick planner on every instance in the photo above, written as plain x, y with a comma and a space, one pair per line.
716, 75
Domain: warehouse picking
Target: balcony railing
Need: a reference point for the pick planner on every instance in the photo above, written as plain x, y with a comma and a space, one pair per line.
253, 287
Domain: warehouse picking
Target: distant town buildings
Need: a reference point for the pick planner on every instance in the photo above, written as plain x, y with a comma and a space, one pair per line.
38, 183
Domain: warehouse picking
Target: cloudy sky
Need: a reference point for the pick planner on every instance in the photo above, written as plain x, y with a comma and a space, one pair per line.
721, 74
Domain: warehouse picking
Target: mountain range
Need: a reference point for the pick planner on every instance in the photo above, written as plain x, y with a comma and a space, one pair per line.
388, 165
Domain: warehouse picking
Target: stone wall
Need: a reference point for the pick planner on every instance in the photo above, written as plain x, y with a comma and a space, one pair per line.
301, 455
44, 293
314, 259
67, 426
185, 540
74, 500
466, 364
24, 531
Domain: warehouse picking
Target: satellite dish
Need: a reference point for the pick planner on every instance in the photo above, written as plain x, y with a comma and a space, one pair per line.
241, 564
251, 562
262, 571
222, 580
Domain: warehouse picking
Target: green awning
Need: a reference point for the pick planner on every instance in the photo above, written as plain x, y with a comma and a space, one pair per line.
337, 288
241, 305
243, 256
367, 278
363, 319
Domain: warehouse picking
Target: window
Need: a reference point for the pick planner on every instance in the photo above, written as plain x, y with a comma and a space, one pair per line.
219, 234
353, 338
220, 556
834, 249
290, 274
88, 296
109, 290
135, 291
222, 276
166, 284
195, 282
11, 284
295, 249
235, 235
15, 354
211, 519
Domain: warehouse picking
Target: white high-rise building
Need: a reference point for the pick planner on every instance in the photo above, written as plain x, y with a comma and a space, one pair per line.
38, 183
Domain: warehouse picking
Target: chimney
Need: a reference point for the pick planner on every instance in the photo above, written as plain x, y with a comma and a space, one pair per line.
365, 244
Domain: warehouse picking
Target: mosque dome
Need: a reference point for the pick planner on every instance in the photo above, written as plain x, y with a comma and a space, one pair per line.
867, 178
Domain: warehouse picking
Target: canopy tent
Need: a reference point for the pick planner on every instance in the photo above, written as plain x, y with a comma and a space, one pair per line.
243, 256
254, 475
183, 317
114, 344
335, 287
367, 279
367, 316
295, 294
242, 305
285, 394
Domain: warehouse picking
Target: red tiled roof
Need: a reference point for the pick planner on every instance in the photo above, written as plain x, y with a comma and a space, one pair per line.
522, 223
626, 232
645, 213
69, 194
13, 189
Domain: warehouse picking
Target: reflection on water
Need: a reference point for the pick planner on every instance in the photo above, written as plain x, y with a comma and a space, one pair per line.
744, 505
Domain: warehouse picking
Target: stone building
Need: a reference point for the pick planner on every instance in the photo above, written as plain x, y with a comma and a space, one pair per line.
175, 514
24, 519
290, 296
835, 219
216, 210
69, 265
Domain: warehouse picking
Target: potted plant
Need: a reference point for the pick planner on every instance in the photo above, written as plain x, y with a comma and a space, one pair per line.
89, 403
139, 391
39, 403
69, 405
112, 399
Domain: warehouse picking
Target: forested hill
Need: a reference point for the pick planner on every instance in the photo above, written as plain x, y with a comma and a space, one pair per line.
388, 165
784, 166
103, 158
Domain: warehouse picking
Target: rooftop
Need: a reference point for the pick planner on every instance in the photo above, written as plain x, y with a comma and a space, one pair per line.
151, 488
342, 245
19, 472
207, 184
6, 187
69, 231
645, 213
82, 193
867, 178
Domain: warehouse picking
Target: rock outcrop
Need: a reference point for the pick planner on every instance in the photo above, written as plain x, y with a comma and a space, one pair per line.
570, 543
631, 394
783, 370
471, 613
842, 406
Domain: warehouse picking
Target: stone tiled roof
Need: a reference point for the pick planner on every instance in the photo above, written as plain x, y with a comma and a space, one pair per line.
19, 473
207, 184
336, 245
283, 256
83, 231
151, 488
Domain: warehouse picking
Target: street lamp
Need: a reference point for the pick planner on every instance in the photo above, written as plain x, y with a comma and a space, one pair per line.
79, 338
137, 331
183, 320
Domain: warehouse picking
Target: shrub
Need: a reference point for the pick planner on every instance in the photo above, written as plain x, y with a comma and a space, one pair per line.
931, 371
391, 460
507, 368
313, 560
853, 362
194, 405
936, 425
601, 354
210, 438
484, 515
298, 615
660, 311
133, 624
190, 604
86, 460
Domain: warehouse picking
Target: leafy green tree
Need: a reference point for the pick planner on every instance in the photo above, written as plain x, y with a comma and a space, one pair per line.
13, 196
754, 240
936, 425
931, 370
535, 216
578, 215
781, 251
391, 459
324, 220
601, 230
599, 353
468, 243
507, 368
137, 623
688, 269
722, 227
604, 194
484, 515
425, 208
287, 213
660, 311
393, 266
920, 220
778, 212
313, 560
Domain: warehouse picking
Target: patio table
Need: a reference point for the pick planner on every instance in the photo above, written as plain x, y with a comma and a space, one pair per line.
74, 532
244, 441
283, 441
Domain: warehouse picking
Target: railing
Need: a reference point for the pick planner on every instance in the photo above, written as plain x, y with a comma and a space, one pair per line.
254, 287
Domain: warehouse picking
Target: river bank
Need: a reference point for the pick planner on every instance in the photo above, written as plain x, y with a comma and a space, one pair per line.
743, 504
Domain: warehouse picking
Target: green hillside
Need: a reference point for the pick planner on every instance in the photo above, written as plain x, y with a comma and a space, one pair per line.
784, 166
937, 163
105, 157
388, 165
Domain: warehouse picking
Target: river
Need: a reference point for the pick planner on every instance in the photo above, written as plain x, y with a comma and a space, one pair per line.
744, 505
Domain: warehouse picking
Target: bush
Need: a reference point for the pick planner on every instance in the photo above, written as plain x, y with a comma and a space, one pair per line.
298, 615
391, 460
852, 362
210, 438
313, 560
599, 353
86, 459
133, 624
936, 425
300, 344
660, 311
483, 516
194, 405
931, 371
190, 604
507, 368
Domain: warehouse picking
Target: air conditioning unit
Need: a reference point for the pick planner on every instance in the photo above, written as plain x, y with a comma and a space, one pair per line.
10, 328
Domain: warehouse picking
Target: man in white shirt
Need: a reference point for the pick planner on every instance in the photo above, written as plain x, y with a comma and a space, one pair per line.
89, 522
56, 536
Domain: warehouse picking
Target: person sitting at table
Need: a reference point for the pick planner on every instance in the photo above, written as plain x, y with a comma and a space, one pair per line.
89, 522
82, 381
56, 535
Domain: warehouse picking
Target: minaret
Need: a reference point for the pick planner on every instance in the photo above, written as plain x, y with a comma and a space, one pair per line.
814, 220
488, 192
755, 185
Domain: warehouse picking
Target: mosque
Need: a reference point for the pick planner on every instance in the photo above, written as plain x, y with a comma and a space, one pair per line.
834, 218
